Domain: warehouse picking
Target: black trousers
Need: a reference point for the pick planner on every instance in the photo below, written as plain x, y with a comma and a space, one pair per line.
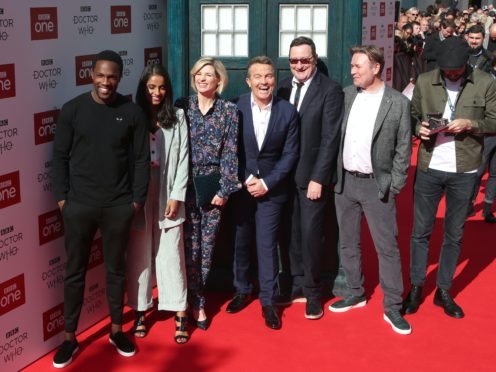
81, 222
305, 250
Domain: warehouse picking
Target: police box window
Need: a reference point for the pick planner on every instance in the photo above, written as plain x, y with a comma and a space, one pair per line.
303, 20
224, 30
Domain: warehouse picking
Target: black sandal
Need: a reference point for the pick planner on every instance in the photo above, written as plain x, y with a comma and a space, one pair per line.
139, 327
183, 323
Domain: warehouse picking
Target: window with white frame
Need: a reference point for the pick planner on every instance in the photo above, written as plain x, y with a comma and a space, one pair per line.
224, 30
303, 20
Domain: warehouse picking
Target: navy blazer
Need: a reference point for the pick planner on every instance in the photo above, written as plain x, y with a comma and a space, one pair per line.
321, 114
279, 152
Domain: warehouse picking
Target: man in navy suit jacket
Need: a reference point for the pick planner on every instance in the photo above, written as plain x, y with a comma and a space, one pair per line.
268, 152
319, 101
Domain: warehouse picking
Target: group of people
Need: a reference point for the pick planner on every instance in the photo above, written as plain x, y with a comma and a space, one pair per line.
165, 171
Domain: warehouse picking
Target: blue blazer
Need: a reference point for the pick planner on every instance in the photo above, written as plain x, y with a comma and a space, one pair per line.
280, 149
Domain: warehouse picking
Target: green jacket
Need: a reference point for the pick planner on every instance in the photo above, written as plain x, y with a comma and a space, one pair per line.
476, 101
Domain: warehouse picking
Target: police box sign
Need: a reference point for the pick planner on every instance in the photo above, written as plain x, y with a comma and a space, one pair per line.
10, 191
44, 23
53, 321
12, 294
120, 19
44, 126
84, 64
50, 226
7, 81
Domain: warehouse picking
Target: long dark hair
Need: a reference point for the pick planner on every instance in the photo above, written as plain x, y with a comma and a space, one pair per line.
166, 115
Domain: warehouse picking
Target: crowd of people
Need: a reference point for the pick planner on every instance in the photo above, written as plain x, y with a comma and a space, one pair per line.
166, 170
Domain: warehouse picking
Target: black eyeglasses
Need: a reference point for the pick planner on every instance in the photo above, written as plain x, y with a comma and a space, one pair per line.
303, 61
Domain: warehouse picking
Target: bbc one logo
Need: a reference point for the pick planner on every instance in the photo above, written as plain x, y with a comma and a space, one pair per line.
7, 81
390, 31
373, 32
153, 56
44, 23
96, 254
10, 191
53, 321
12, 294
120, 19
50, 226
44, 126
84, 64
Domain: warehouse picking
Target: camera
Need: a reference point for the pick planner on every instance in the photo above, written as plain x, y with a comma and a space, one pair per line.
436, 122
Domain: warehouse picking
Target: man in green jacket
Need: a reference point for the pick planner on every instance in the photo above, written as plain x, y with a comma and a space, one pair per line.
448, 159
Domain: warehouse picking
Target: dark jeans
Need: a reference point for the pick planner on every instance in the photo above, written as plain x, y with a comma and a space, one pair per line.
81, 222
428, 189
489, 163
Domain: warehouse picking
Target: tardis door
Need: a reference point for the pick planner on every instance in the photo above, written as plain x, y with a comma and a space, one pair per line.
231, 30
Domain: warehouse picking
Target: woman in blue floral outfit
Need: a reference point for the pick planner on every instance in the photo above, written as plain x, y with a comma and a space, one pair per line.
213, 133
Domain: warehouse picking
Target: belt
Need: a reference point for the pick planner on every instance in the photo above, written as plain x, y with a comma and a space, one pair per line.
360, 175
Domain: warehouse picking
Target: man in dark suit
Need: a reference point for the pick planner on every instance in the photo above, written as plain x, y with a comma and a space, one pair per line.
373, 163
319, 102
432, 42
268, 152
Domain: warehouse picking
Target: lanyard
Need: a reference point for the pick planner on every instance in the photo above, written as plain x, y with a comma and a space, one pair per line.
451, 105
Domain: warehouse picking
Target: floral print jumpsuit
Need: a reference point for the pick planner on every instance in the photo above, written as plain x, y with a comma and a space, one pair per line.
213, 146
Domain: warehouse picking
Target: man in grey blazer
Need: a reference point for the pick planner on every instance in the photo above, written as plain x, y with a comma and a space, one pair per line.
373, 162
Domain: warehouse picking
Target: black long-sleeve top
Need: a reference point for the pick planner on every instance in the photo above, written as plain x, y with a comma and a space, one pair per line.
101, 152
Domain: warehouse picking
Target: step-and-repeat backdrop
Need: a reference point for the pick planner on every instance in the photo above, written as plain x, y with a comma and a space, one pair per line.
46, 52
378, 29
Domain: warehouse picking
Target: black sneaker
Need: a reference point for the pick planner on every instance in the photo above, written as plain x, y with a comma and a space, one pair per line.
398, 323
313, 309
347, 303
489, 218
122, 344
63, 356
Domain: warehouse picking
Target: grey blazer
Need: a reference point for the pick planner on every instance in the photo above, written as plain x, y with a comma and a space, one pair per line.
391, 141
174, 163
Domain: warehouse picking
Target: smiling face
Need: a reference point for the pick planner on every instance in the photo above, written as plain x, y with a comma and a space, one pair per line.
261, 81
475, 40
155, 90
106, 76
206, 81
301, 62
363, 71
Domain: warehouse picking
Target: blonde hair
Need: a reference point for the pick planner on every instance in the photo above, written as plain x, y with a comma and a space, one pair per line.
220, 72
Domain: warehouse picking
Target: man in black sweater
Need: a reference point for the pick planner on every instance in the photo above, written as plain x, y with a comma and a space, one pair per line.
100, 178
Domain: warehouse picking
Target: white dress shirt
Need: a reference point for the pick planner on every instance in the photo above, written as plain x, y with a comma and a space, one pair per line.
303, 90
261, 117
359, 131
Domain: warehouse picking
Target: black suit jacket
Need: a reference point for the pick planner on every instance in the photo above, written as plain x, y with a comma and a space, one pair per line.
321, 114
279, 152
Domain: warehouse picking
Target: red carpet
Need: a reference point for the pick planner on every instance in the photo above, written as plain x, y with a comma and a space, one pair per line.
359, 340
